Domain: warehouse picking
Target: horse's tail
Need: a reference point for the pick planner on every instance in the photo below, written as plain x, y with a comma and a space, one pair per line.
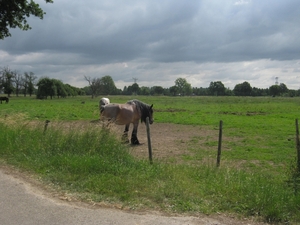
103, 102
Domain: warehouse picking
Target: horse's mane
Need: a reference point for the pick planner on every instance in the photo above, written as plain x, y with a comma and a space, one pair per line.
143, 107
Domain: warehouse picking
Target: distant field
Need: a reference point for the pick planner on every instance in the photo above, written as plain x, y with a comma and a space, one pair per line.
258, 153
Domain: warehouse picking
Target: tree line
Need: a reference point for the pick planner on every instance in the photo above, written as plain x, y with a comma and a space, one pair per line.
106, 86
27, 84
14, 82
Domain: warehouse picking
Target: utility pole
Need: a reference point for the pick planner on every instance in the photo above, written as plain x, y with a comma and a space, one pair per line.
134, 79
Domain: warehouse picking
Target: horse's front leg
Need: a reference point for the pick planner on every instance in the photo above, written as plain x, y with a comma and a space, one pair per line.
125, 134
134, 139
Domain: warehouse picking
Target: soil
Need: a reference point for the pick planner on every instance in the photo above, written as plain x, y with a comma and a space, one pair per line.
168, 141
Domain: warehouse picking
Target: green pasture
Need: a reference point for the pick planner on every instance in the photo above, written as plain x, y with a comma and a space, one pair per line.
257, 176
258, 128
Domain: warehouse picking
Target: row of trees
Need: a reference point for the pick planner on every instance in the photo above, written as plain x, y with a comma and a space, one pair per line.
14, 82
106, 86
55, 88
245, 89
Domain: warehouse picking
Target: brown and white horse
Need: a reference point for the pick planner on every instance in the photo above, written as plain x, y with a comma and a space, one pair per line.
124, 114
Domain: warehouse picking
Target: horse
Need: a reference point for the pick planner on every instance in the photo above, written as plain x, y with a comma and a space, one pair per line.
103, 102
124, 114
4, 99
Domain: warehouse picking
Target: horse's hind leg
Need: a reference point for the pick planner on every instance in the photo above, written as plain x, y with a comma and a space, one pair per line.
125, 134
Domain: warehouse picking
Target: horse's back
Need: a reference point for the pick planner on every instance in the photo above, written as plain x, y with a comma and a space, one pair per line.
110, 111
120, 113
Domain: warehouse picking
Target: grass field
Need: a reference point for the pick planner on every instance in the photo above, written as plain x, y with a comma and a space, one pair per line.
258, 157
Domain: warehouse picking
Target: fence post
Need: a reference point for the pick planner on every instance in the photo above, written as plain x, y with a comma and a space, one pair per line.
46, 125
220, 143
297, 145
149, 140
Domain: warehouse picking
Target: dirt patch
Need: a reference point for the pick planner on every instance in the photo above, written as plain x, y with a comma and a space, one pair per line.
168, 141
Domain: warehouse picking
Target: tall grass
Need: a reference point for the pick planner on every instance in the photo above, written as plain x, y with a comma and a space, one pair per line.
90, 162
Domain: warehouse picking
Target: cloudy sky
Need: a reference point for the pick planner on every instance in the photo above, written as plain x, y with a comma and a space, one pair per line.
156, 42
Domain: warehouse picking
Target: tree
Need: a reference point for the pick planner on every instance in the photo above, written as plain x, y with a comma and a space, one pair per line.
107, 85
259, 92
283, 88
95, 85
134, 89
13, 13
46, 87
60, 88
157, 90
125, 90
216, 88
243, 89
274, 90
6, 80
292, 93
174, 90
183, 87
200, 91
18, 80
280, 89
145, 90
29, 82
73, 91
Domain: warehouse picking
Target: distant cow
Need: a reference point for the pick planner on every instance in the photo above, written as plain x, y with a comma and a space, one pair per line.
4, 99
102, 103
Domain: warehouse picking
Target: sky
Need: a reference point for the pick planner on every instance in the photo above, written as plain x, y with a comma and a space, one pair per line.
156, 42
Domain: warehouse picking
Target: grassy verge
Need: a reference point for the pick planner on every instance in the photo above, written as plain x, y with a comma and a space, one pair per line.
91, 163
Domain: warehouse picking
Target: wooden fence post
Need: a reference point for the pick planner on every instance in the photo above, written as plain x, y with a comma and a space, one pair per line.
297, 145
149, 140
46, 125
220, 143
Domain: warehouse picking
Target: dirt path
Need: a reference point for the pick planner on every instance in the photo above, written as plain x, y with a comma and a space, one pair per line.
168, 140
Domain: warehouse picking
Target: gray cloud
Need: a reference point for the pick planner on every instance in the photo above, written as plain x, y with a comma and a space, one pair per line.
156, 42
